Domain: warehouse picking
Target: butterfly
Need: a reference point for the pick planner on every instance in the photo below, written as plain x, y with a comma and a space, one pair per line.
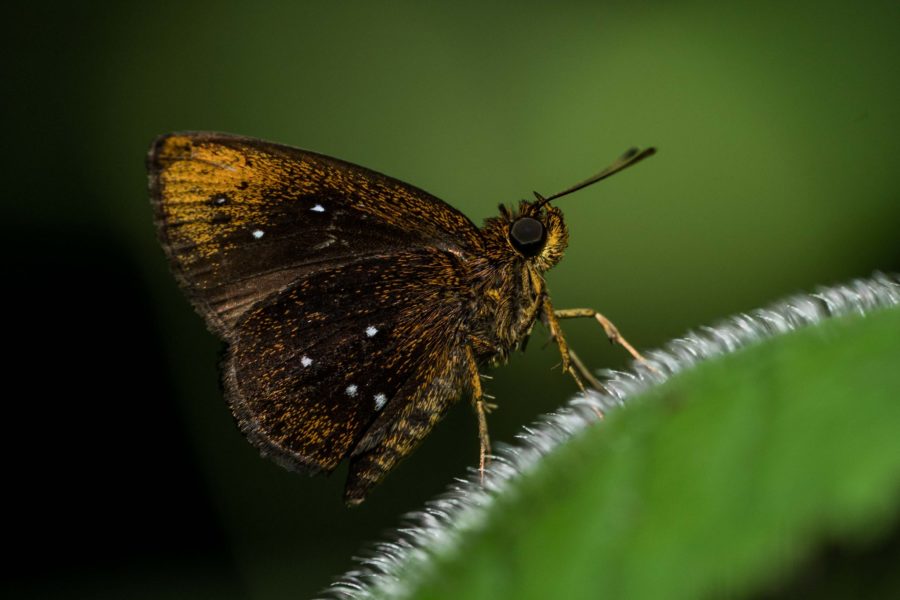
356, 308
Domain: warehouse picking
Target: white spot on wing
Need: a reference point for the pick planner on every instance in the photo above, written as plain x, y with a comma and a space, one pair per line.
306, 361
351, 390
380, 400
371, 331
258, 233
318, 208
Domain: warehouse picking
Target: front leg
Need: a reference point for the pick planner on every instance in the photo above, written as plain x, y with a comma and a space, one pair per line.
611, 331
569, 358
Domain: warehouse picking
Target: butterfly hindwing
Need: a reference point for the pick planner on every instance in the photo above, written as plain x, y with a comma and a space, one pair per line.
241, 219
397, 432
362, 352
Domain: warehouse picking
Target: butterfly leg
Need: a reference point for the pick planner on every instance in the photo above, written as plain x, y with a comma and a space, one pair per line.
611, 331
481, 410
585, 372
571, 364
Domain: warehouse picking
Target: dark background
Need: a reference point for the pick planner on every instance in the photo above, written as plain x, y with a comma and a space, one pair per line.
124, 473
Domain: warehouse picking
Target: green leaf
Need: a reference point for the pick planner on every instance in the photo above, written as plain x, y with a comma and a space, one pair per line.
720, 481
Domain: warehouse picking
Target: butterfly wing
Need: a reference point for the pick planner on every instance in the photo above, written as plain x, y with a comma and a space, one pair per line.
362, 358
241, 219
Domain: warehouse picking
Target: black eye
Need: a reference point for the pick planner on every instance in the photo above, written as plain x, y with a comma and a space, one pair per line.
527, 235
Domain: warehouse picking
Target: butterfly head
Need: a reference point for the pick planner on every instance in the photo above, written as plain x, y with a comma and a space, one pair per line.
533, 233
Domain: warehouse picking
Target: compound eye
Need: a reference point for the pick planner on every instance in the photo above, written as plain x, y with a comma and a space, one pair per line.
527, 235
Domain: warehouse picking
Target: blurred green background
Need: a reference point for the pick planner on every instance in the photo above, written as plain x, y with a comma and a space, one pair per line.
777, 133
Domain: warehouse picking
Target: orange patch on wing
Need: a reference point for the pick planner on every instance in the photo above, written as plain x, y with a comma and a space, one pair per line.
195, 174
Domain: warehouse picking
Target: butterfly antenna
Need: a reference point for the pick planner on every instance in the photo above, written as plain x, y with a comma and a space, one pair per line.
631, 157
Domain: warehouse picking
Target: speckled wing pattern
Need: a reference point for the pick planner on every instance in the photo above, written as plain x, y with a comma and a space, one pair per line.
351, 360
241, 218
337, 289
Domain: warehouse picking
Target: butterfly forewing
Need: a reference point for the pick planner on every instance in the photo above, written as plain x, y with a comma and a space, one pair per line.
241, 219
350, 359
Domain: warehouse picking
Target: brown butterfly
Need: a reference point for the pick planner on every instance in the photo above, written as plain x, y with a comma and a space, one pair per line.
356, 308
